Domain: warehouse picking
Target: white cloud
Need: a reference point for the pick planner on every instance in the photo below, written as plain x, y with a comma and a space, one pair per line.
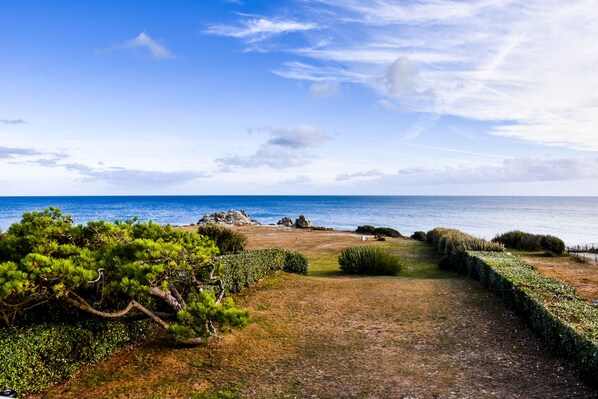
509, 171
286, 148
133, 177
297, 181
358, 175
528, 67
386, 104
401, 77
258, 29
321, 90
143, 41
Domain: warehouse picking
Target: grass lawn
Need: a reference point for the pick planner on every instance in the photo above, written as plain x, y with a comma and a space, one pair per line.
423, 334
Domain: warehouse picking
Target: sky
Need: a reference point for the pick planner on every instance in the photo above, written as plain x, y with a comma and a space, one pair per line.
315, 97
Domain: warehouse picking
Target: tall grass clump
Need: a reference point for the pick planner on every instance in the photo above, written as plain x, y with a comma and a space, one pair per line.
227, 240
369, 260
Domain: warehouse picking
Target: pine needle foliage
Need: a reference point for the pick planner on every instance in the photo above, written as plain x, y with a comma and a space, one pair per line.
114, 270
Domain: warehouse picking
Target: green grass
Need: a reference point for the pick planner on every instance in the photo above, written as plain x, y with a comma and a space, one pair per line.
420, 260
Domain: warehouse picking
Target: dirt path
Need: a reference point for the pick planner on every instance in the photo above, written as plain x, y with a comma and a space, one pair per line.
339, 337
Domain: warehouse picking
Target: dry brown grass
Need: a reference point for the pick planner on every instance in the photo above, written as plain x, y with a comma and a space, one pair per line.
583, 275
431, 335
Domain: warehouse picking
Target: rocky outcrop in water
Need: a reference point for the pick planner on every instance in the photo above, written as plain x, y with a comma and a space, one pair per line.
230, 218
286, 221
302, 222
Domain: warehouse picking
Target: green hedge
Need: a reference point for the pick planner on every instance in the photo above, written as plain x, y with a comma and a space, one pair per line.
33, 357
566, 321
453, 244
245, 269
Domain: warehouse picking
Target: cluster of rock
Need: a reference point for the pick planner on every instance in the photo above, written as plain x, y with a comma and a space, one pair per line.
230, 218
300, 223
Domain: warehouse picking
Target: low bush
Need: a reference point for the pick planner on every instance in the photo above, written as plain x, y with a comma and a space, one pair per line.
366, 229
227, 240
553, 245
419, 236
295, 262
454, 244
34, 357
531, 242
369, 260
566, 321
378, 231
246, 268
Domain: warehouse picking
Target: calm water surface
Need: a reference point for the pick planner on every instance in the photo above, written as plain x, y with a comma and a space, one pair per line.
574, 219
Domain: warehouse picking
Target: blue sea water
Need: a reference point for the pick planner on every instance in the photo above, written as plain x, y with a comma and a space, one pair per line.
574, 219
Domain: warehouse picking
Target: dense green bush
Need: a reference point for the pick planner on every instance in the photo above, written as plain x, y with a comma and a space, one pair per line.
378, 231
566, 321
552, 245
295, 262
366, 229
34, 357
112, 270
227, 240
531, 242
369, 260
419, 236
246, 268
453, 245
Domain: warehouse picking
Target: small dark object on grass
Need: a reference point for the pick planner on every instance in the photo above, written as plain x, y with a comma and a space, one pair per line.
379, 238
8, 393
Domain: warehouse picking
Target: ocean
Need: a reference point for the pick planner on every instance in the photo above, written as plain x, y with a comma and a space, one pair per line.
573, 219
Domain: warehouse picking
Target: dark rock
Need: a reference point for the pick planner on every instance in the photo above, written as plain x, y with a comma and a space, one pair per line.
302, 222
230, 218
286, 221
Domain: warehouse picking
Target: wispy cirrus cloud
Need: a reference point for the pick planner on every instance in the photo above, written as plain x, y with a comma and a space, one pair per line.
127, 177
12, 121
527, 67
257, 29
284, 149
12, 152
145, 42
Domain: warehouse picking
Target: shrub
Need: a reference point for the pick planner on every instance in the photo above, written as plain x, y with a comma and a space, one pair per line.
34, 357
517, 239
453, 244
246, 268
552, 245
369, 260
227, 240
366, 229
295, 262
419, 236
566, 321
378, 231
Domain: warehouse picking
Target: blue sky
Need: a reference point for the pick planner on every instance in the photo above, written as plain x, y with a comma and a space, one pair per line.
484, 97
